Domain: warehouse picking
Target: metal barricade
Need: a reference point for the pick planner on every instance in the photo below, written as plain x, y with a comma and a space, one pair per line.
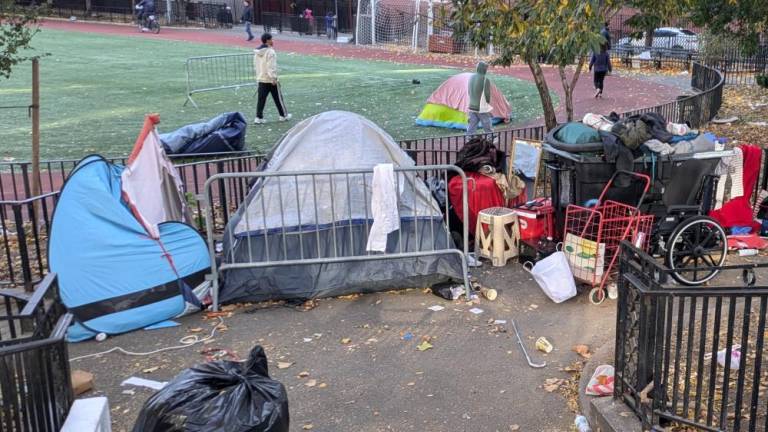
328, 188
218, 72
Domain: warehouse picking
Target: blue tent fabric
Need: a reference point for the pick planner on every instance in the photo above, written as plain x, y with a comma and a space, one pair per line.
223, 133
112, 276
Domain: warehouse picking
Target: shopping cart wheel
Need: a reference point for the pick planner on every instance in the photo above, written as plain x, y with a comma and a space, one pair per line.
597, 296
697, 243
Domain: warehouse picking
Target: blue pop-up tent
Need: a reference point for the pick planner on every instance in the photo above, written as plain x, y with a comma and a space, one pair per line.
113, 276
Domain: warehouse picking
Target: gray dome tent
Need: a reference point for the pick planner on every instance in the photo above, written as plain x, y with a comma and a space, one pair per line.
294, 217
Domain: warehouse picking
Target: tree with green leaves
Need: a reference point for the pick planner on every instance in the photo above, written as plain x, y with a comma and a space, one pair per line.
654, 14
558, 32
18, 25
747, 20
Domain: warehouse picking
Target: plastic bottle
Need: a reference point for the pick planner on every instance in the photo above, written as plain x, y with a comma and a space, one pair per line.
582, 425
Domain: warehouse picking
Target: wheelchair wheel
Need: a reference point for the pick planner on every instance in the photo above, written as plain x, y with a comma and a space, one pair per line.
698, 242
154, 27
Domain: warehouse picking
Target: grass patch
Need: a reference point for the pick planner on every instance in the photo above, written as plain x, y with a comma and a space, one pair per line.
95, 90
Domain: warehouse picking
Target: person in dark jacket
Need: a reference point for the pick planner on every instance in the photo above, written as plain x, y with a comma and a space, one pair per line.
145, 8
247, 18
606, 34
602, 64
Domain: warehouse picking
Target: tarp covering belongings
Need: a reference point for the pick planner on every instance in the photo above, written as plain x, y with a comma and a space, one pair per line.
449, 104
331, 217
223, 133
123, 255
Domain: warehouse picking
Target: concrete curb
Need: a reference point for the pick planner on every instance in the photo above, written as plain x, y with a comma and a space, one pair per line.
604, 414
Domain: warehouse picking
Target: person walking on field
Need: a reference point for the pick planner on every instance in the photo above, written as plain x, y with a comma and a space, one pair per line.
247, 18
265, 62
602, 64
480, 100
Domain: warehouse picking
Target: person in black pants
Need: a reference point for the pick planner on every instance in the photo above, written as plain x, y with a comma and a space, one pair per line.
247, 18
602, 64
265, 62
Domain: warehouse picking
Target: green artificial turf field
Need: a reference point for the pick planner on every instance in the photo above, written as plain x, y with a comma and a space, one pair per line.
95, 90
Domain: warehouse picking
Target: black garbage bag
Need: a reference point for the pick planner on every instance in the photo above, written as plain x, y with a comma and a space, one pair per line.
223, 396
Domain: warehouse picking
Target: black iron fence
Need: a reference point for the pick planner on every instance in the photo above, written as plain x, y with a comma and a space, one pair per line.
679, 44
691, 356
35, 387
175, 12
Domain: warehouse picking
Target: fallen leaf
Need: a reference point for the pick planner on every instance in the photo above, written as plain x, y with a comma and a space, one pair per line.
322, 385
151, 369
582, 350
411, 383
284, 365
514, 427
424, 346
196, 330
552, 384
346, 341
308, 426
311, 383
303, 374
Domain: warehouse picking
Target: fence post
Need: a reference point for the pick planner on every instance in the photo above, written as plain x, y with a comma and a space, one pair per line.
23, 252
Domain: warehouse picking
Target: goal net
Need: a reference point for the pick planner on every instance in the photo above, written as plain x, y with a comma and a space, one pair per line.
417, 25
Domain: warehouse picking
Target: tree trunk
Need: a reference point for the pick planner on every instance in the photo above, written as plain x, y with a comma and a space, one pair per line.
649, 37
550, 119
569, 86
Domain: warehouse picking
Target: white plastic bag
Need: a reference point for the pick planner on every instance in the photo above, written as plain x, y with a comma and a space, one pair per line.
601, 383
553, 274
735, 357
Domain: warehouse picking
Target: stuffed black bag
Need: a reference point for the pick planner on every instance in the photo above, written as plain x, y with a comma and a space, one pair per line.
221, 396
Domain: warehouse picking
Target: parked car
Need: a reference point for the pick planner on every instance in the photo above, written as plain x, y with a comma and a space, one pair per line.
665, 39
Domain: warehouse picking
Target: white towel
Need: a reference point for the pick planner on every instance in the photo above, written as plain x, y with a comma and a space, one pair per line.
383, 207
734, 170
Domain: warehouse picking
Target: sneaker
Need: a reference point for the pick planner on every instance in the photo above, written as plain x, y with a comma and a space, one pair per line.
287, 117
144, 29
597, 94
258, 121
250, 38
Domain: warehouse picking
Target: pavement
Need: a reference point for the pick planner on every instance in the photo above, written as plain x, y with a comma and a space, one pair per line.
475, 378
623, 92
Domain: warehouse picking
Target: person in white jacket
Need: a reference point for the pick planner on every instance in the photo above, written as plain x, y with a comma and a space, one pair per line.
265, 63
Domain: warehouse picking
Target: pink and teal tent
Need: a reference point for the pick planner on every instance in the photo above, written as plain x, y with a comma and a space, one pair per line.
448, 105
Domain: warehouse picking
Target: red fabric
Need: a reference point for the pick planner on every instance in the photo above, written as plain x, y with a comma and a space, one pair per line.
748, 241
483, 193
738, 211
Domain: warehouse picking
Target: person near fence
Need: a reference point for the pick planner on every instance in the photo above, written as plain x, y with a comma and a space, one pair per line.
330, 25
247, 18
601, 62
145, 8
480, 101
265, 62
605, 32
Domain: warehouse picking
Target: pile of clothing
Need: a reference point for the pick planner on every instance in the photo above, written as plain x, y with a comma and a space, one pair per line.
625, 139
488, 183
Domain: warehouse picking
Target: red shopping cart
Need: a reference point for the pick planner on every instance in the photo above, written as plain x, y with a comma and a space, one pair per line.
592, 235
